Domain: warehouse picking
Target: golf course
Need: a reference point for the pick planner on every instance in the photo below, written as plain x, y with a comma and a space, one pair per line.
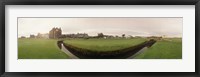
164, 49
39, 48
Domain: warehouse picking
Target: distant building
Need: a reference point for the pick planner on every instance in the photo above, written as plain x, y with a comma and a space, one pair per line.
32, 36
78, 35
55, 33
82, 35
155, 37
129, 36
68, 36
39, 35
108, 36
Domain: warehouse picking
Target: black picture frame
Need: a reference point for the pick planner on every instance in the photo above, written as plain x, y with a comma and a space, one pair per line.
99, 2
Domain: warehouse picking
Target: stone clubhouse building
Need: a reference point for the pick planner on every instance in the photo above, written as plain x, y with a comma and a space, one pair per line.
55, 33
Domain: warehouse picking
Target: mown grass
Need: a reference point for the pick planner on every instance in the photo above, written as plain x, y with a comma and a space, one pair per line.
48, 49
102, 45
164, 49
39, 49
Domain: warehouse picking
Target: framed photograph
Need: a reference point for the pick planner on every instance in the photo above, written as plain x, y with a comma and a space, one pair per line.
100, 38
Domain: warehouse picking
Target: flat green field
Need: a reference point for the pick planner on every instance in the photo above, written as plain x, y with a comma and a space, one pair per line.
163, 49
39, 49
102, 45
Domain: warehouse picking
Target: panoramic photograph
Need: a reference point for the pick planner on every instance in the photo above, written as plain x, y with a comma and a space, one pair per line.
100, 37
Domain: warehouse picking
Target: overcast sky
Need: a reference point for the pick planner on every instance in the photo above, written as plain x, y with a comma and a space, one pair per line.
171, 27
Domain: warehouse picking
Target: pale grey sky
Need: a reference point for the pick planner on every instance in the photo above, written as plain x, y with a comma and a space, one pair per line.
171, 27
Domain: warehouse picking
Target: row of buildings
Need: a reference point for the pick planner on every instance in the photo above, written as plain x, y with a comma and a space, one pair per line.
39, 35
56, 33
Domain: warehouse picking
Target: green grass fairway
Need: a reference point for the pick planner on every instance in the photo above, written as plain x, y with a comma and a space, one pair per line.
164, 49
39, 49
102, 45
